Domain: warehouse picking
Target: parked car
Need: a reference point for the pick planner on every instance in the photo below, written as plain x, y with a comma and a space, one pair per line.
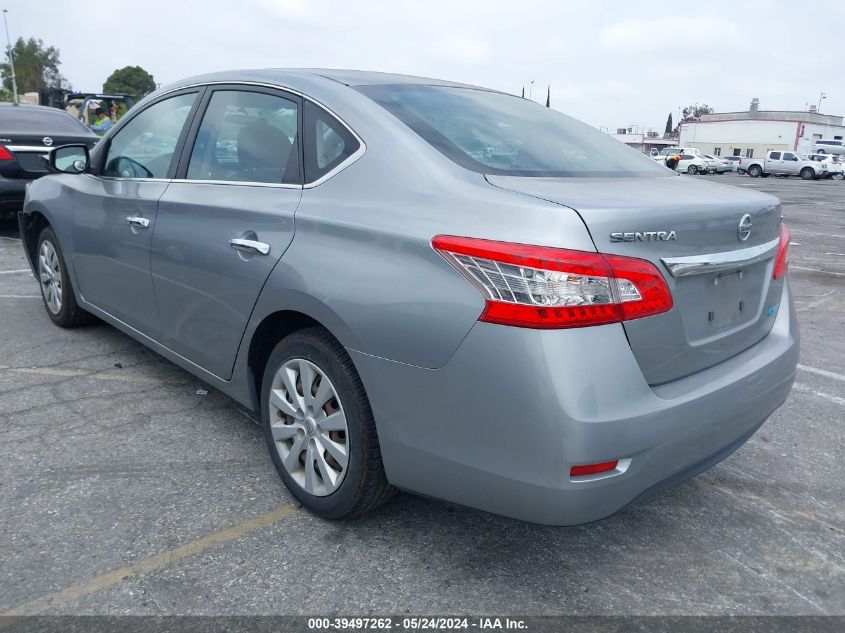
784, 164
666, 152
834, 164
718, 164
835, 146
547, 329
692, 164
736, 163
26, 134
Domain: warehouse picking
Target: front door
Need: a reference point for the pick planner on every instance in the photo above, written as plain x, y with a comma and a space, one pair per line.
225, 221
791, 164
115, 212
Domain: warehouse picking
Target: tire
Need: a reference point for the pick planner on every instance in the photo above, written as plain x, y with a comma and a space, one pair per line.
755, 171
293, 427
692, 169
56, 288
740, 171
808, 173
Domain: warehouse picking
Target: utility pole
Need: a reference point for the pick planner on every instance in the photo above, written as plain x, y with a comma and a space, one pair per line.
819, 107
11, 60
530, 89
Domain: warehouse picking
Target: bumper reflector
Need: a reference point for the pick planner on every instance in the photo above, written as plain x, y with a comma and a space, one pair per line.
592, 469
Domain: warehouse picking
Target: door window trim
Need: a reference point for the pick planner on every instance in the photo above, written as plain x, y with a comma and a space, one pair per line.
228, 86
102, 155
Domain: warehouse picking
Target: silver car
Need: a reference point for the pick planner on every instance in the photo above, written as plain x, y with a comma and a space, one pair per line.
427, 286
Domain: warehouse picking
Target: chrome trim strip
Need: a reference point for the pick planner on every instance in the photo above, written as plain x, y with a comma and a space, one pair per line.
718, 262
261, 84
31, 148
241, 183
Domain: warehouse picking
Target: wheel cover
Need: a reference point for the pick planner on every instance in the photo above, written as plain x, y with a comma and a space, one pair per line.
50, 274
309, 427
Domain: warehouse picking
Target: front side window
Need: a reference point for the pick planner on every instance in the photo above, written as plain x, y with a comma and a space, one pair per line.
788, 156
144, 147
247, 137
494, 133
327, 142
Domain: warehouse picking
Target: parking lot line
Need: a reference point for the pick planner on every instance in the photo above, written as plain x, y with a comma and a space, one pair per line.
15, 272
822, 372
798, 386
148, 565
70, 372
817, 270
20, 297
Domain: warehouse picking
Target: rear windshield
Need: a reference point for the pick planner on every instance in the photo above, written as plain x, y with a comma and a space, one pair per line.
494, 133
22, 119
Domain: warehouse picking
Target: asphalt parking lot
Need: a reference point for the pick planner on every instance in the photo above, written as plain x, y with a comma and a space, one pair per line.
122, 490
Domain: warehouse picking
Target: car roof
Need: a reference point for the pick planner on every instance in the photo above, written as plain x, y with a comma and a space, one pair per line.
294, 77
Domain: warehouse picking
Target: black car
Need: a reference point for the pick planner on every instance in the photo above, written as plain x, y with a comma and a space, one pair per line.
27, 132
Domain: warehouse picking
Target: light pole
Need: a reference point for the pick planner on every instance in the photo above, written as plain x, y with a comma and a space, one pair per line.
11, 59
530, 89
819, 107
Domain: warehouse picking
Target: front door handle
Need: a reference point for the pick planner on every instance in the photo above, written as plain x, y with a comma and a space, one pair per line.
141, 223
250, 246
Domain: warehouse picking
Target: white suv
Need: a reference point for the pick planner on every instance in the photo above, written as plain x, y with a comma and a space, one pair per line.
836, 146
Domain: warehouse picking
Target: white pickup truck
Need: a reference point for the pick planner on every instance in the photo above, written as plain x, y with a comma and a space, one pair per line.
784, 164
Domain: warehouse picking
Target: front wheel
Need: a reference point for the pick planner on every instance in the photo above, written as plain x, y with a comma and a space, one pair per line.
808, 173
319, 427
692, 169
56, 289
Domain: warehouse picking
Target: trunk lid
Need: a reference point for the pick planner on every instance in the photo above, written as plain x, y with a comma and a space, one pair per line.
27, 150
724, 296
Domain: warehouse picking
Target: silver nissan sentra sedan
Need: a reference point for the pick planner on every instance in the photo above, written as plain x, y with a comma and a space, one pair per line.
427, 286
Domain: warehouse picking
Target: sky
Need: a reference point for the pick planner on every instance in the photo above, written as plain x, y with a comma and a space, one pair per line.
609, 63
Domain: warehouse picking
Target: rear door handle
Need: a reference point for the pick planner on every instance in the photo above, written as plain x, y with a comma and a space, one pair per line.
141, 223
250, 246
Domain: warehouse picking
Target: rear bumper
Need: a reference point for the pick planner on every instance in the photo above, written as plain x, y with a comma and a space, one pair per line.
498, 427
12, 194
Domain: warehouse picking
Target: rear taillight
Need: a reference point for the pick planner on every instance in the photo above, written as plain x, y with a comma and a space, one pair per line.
593, 469
542, 287
782, 258
5, 154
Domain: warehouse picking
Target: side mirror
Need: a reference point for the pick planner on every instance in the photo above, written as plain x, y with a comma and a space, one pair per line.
69, 159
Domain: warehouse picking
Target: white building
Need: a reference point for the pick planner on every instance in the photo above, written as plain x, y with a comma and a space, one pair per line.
634, 137
756, 131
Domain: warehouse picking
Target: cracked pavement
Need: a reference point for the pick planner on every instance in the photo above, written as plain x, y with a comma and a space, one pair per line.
108, 457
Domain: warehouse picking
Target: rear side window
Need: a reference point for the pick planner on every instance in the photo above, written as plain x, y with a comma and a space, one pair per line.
327, 142
775, 155
247, 137
494, 133
39, 120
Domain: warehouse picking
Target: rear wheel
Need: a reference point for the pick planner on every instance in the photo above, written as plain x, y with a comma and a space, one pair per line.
808, 173
319, 427
755, 171
56, 289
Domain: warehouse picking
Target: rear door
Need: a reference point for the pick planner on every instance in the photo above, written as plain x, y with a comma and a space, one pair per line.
719, 310
225, 221
774, 163
114, 210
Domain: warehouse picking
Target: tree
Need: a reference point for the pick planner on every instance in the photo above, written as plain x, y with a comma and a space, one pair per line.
669, 128
36, 67
549, 97
130, 80
694, 112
